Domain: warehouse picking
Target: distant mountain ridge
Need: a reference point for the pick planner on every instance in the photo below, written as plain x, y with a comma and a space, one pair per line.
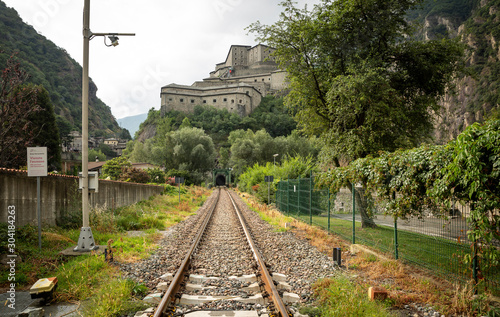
52, 67
132, 123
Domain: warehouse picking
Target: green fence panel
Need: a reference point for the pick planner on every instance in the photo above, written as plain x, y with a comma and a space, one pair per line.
437, 244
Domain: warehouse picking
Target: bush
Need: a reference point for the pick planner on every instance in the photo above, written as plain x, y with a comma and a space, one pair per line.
156, 175
134, 175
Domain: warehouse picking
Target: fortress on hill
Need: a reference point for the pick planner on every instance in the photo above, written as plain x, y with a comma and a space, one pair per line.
238, 84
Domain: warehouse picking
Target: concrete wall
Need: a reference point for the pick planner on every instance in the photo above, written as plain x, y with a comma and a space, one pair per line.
59, 193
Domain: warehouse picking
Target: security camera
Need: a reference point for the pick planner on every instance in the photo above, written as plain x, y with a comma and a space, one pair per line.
113, 39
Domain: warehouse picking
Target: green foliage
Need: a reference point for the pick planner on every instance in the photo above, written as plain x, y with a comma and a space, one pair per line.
473, 176
458, 11
107, 151
249, 148
341, 296
151, 150
134, 175
114, 299
113, 168
270, 115
412, 181
156, 175
357, 77
17, 104
46, 130
252, 181
189, 149
190, 178
96, 154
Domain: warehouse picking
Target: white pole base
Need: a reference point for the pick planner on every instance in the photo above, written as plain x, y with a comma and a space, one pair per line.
86, 241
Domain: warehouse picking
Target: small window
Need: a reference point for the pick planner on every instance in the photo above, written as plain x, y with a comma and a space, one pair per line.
225, 99
232, 100
248, 92
215, 100
262, 79
192, 100
182, 100
169, 99
204, 101
241, 101
255, 80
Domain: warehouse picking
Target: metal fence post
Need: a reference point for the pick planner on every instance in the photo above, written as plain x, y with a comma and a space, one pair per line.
288, 196
310, 198
353, 214
328, 191
277, 197
396, 245
298, 198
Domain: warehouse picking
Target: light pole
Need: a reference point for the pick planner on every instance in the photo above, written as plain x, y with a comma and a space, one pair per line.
86, 240
274, 156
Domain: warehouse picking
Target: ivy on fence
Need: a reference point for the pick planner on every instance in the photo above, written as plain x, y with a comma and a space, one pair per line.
411, 181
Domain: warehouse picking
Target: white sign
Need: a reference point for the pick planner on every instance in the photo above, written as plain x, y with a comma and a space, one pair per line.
37, 161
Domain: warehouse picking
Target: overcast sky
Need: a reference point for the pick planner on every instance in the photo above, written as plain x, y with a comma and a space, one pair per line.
176, 41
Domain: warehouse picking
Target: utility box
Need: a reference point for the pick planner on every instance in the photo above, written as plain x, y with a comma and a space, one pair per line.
44, 288
93, 181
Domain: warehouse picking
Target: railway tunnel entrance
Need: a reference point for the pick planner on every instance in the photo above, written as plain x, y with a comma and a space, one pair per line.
221, 177
220, 180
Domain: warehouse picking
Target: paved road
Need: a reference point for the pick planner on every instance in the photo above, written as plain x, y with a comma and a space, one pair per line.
454, 229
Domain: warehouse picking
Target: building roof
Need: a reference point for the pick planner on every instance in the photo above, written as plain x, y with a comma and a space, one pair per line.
96, 165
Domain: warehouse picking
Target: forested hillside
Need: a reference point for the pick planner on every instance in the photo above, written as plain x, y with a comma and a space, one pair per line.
52, 67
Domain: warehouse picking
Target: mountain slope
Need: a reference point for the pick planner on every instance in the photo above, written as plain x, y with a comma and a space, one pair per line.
477, 24
52, 67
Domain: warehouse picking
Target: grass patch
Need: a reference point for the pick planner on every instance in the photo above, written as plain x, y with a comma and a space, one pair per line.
341, 296
269, 215
89, 278
442, 256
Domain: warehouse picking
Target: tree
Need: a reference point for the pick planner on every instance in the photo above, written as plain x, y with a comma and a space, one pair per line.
124, 134
358, 78
17, 103
115, 167
107, 151
189, 149
45, 127
96, 154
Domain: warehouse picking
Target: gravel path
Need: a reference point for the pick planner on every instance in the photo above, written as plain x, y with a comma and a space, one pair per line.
224, 252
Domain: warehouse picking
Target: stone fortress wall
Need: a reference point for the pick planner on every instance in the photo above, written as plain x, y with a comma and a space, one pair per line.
237, 85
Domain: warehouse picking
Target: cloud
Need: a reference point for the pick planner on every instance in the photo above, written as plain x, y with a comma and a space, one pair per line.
176, 41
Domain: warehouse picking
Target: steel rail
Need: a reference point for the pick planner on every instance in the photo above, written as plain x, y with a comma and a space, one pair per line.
266, 277
169, 296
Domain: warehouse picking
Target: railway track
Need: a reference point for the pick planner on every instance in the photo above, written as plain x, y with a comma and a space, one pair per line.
241, 274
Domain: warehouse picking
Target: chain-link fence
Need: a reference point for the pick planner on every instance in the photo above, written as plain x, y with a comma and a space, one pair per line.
438, 243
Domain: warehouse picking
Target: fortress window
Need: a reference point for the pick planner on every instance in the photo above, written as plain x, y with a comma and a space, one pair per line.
232, 100
248, 92
192, 100
182, 100
215, 100
225, 99
262, 79
204, 101
241, 101
169, 99
255, 80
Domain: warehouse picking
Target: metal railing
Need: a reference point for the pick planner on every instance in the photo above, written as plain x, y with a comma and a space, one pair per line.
437, 243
